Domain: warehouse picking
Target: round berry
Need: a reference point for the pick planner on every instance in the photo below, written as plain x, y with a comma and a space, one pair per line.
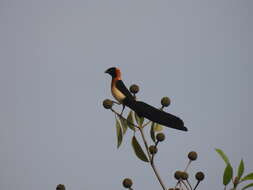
107, 104
184, 175
200, 176
127, 183
236, 181
134, 89
160, 137
60, 187
177, 175
193, 155
165, 101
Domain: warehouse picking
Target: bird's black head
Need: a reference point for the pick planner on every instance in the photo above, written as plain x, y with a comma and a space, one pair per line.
112, 71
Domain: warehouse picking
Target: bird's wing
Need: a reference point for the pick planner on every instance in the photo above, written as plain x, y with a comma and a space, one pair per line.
121, 86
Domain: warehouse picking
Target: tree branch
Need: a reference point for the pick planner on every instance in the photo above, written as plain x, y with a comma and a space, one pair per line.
151, 160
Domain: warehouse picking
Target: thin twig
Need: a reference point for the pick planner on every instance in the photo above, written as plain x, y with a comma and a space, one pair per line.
189, 184
177, 184
124, 118
144, 125
185, 185
153, 155
187, 166
115, 102
197, 185
150, 159
185, 170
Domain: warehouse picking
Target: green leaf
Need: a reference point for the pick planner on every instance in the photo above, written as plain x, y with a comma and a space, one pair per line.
130, 121
119, 133
138, 150
223, 155
247, 177
158, 127
152, 132
247, 186
228, 174
139, 120
240, 169
123, 122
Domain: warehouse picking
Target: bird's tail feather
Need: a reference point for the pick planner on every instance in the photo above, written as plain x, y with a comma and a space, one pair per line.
155, 115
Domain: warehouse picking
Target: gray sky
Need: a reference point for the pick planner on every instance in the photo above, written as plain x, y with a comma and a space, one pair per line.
53, 53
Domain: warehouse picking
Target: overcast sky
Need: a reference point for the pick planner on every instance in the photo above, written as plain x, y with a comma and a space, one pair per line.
53, 54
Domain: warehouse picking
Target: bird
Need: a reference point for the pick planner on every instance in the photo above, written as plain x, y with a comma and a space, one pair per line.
142, 109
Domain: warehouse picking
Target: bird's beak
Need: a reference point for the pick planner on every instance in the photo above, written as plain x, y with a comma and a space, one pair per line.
107, 71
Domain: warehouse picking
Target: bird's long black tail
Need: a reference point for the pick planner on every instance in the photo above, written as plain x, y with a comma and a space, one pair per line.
155, 115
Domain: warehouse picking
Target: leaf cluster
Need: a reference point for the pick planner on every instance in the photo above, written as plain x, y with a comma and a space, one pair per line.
228, 174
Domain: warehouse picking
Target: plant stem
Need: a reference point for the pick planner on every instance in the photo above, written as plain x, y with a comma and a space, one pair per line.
189, 184
151, 160
123, 118
146, 124
187, 166
177, 184
185, 185
185, 170
196, 185
153, 155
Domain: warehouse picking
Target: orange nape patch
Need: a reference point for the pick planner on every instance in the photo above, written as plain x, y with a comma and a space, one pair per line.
118, 73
